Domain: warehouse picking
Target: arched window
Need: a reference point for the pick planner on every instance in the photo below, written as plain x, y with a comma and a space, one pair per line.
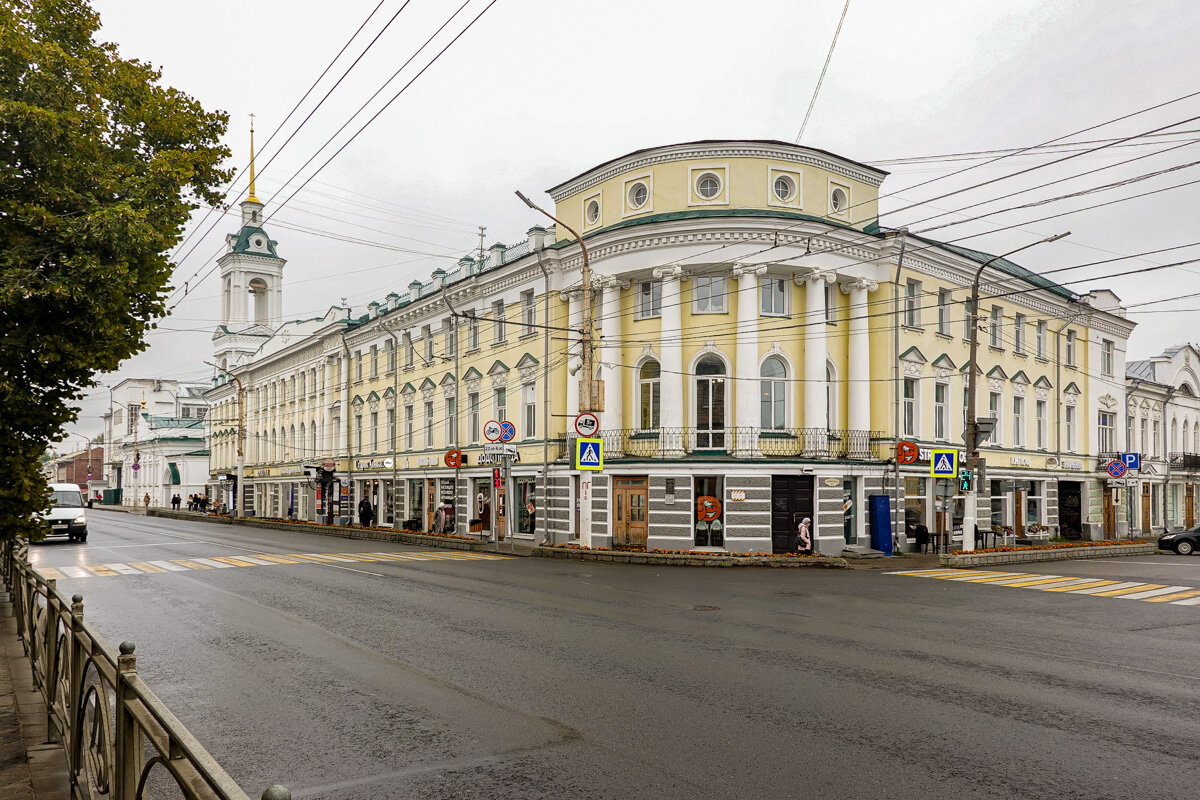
1174, 436
648, 393
830, 395
772, 394
300, 455
312, 444
1186, 431
258, 290
710, 404
225, 295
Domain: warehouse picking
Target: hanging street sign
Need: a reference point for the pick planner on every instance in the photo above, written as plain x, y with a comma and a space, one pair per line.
586, 424
1132, 460
492, 430
1116, 469
508, 431
943, 464
589, 454
907, 452
453, 459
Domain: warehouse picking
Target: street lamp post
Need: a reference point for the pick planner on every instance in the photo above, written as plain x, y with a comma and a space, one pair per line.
971, 434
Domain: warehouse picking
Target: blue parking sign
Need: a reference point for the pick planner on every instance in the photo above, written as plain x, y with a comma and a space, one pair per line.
1132, 460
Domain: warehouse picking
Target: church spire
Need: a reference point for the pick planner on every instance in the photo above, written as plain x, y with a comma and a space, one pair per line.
252, 198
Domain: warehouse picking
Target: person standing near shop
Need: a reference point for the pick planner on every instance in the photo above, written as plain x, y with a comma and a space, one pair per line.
365, 512
804, 537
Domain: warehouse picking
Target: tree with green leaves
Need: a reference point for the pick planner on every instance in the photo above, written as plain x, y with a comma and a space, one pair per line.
100, 168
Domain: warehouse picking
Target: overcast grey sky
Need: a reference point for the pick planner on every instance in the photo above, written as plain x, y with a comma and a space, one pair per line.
538, 91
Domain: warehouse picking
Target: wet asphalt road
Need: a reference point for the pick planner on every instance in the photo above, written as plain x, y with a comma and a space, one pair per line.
525, 678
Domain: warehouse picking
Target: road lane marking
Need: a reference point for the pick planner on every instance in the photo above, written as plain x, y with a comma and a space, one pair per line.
168, 566
183, 562
147, 568
124, 569
1191, 601
1154, 593
50, 573
1098, 589
1176, 596
1036, 581
208, 562
274, 559
999, 577
1063, 585
233, 562
1097, 585
1119, 592
254, 560
99, 570
75, 572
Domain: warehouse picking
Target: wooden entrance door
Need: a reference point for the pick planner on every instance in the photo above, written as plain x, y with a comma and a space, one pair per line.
1145, 508
791, 502
1189, 505
629, 512
1110, 515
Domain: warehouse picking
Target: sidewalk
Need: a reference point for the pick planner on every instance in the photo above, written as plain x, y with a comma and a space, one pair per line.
30, 769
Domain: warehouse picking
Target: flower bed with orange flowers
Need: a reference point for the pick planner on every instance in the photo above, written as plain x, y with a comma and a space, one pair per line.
1059, 551
685, 558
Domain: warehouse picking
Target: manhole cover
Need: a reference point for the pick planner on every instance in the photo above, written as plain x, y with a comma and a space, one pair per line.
706, 608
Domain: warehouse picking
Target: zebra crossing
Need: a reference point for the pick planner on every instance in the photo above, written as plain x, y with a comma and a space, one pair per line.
1093, 587
115, 569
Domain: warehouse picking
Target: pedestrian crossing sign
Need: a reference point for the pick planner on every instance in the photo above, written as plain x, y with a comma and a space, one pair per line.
944, 464
589, 454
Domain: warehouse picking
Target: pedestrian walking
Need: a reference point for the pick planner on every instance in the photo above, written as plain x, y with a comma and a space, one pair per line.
804, 537
365, 512
146, 500
174, 502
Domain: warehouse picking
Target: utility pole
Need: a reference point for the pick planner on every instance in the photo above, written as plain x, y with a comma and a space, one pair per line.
589, 399
459, 406
971, 434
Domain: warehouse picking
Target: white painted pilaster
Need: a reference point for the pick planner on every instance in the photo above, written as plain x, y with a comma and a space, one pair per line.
671, 321
746, 417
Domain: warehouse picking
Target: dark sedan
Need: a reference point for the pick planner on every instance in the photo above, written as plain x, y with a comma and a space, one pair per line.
1184, 542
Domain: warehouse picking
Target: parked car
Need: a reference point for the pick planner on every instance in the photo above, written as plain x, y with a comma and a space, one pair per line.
67, 514
1184, 542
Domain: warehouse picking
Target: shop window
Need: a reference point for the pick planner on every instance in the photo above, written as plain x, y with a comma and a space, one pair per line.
526, 506
915, 504
709, 513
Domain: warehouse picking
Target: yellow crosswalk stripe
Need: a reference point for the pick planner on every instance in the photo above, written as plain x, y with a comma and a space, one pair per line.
276, 559
144, 567
233, 562
1163, 598
99, 570
1008, 576
1075, 586
1035, 582
183, 562
50, 573
1131, 590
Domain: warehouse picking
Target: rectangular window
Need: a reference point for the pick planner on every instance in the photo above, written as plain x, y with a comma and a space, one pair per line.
710, 528
473, 415
451, 420
391, 356
374, 431
830, 303
529, 415
500, 404
529, 311
1106, 357
1069, 427
1018, 431
1019, 333
943, 312
358, 433
391, 431
708, 294
1039, 412
498, 320
429, 423
374, 361
912, 304
358, 367
914, 503
994, 413
472, 331
1145, 432
968, 319
996, 327
1041, 338
772, 297
1033, 503
408, 351
1070, 348
1154, 442
910, 407
649, 299
427, 339
408, 427
451, 339
1107, 430
940, 393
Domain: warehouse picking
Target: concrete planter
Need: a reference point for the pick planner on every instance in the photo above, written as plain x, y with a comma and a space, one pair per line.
686, 559
1060, 554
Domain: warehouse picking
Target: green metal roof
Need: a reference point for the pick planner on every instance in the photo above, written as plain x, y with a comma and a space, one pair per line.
243, 242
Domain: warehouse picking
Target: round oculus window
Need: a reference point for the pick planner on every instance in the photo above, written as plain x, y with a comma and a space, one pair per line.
593, 211
708, 185
838, 201
258, 242
639, 193
784, 188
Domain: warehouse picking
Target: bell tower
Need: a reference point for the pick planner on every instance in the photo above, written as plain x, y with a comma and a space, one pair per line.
251, 283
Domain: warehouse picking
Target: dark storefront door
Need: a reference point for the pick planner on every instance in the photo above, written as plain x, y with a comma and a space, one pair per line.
791, 502
1070, 503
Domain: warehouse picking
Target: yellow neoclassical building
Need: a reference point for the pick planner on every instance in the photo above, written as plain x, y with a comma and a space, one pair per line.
762, 344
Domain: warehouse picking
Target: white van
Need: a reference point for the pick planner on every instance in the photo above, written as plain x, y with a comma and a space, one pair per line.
67, 514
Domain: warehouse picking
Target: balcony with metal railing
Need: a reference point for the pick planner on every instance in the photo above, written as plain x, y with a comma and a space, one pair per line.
1184, 462
723, 443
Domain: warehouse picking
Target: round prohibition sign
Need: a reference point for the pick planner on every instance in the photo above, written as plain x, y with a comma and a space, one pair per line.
508, 431
492, 430
1116, 469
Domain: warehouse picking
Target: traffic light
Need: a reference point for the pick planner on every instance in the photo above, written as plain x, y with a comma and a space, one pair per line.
964, 480
496, 477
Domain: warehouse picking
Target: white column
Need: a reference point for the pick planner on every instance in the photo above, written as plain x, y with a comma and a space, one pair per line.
816, 406
746, 417
613, 418
859, 417
671, 441
574, 322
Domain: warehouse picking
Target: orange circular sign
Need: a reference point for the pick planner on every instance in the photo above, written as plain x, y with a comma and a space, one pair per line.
453, 459
707, 508
907, 452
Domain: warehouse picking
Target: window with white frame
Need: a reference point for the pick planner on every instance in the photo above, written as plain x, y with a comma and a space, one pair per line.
391, 355
649, 302
1106, 430
1040, 338
374, 431
708, 294
427, 340
448, 334
969, 318
429, 423
500, 403
498, 321
1069, 428
994, 413
1106, 357
772, 394
941, 392
358, 433
996, 327
909, 407
408, 427
529, 311
1039, 415
358, 364
452, 420
529, 409
1018, 431
408, 351
912, 304
831, 404
649, 399
1019, 333
772, 293
391, 427
1070, 348
473, 416
1144, 430
830, 302
943, 312
472, 331
1155, 441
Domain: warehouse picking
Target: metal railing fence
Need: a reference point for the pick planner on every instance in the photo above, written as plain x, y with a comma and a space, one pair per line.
120, 739
799, 443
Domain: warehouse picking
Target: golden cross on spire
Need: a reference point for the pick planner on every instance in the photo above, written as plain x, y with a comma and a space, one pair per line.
252, 198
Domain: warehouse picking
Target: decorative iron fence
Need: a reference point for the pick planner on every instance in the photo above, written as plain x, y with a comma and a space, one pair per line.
799, 443
120, 739
1189, 462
